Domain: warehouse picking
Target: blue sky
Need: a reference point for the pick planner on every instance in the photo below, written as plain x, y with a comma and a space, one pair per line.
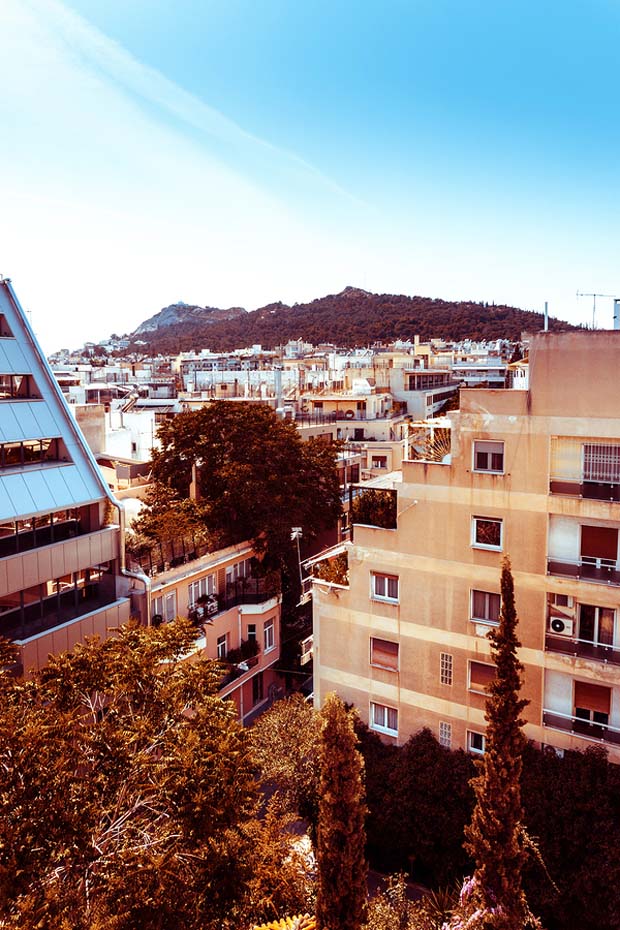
235, 152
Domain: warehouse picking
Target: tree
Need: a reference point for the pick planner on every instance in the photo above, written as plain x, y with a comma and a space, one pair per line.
495, 838
341, 866
256, 477
286, 742
128, 796
375, 508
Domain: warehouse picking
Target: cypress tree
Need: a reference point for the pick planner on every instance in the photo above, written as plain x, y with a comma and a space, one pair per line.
495, 838
341, 865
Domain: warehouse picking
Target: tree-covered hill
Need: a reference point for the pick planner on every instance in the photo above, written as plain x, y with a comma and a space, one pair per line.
351, 318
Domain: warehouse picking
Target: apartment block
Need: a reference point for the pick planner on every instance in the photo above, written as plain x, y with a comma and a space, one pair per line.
237, 619
532, 472
62, 574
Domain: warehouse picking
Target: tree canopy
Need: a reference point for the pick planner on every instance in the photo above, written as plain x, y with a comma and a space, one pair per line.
256, 477
128, 798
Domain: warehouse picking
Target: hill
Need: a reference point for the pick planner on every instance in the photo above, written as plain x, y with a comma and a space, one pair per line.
353, 317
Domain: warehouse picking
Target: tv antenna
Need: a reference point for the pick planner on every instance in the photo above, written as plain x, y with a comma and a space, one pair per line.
594, 296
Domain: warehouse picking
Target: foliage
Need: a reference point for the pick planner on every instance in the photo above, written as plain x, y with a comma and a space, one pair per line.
375, 508
391, 909
256, 476
286, 743
419, 800
341, 865
494, 897
334, 570
128, 797
353, 317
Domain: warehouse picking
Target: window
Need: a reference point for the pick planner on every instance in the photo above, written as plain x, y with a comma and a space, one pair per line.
379, 461
486, 533
596, 624
489, 456
384, 719
476, 742
251, 632
481, 675
200, 588
239, 570
222, 646
269, 631
601, 462
485, 607
384, 654
257, 688
384, 587
445, 734
165, 606
592, 702
445, 668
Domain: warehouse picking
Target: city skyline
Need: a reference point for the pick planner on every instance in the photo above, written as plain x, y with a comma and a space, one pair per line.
231, 155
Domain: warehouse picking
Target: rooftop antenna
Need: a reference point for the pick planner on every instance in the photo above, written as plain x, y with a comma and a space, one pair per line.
594, 296
546, 316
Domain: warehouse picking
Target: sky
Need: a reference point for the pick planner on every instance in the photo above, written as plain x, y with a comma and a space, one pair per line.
239, 152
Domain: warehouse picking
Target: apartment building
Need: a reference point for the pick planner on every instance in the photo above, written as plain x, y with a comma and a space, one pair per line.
532, 473
62, 573
237, 619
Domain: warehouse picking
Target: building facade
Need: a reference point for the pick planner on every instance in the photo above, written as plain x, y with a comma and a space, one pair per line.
62, 572
533, 474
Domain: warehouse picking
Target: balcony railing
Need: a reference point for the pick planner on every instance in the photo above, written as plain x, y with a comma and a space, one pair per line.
576, 725
55, 610
567, 646
600, 571
589, 490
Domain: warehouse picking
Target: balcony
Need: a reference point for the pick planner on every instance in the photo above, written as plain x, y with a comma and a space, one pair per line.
53, 611
602, 732
588, 490
597, 570
565, 645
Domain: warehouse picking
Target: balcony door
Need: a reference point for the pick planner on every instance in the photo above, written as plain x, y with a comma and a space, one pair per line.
599, 546
596, 624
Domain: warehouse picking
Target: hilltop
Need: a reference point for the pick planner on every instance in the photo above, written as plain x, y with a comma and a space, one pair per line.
353, 317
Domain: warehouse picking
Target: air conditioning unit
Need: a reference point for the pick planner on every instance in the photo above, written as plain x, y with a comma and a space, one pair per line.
212, 607
561, 626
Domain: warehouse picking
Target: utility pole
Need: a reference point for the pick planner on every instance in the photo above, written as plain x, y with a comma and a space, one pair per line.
594, 296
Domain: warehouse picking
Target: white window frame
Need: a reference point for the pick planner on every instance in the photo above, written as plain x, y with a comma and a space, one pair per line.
201, 587
165, 605
471, 734
379, 717
474, 688
269, 636
375, 664
222, 646
487, 596
481, 545
487, 442
380, 585
445, 734
446, 668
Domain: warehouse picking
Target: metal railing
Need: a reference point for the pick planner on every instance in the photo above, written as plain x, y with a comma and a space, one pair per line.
586, 649
600, 571
589, 490
602, 732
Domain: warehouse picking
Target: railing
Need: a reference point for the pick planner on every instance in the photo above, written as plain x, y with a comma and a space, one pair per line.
236, 670
26, 540
316, 419
601, 571
568, 646
589, 490
52, 611
579, 727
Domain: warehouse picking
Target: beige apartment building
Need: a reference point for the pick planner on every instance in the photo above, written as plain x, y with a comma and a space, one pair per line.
533, 472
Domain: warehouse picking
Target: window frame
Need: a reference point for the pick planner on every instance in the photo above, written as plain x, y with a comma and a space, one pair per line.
382, 727
446, 669
222, 641
471, 748
376, 664
445, 734
473, 689
386, 577
487, 546
487, 595
269, 634
488, 442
